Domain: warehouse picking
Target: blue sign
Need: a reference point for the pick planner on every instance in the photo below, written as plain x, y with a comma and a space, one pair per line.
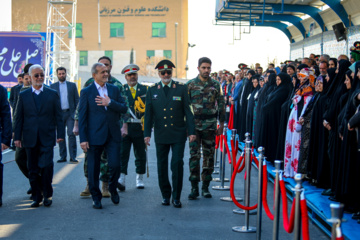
16, 50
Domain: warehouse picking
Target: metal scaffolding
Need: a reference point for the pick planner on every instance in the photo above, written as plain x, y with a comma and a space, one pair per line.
61, 34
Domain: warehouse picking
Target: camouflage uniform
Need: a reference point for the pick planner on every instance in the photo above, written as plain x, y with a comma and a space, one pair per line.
104, 168
207, 101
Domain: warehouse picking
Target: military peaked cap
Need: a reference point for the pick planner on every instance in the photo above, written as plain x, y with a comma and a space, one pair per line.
165, 65
131, 68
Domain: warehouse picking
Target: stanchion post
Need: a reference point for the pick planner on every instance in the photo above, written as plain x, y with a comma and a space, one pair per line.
297, 222
229, 199
247, 228
261, 151
277, 200
222, 166
337, 212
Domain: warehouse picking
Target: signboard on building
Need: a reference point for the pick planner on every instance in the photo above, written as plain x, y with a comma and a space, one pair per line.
128, 11
16, 50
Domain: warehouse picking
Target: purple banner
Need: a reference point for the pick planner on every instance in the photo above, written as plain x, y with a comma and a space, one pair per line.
16, 50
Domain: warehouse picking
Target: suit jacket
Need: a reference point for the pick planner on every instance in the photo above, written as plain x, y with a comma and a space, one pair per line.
14, 92
170, 115
5, 118
135, 129
73, 95
95, 122
44, 125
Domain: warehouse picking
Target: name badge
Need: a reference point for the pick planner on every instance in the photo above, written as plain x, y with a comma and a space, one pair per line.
177, 98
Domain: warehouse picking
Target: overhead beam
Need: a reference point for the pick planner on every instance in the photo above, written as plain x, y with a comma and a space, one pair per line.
339, 9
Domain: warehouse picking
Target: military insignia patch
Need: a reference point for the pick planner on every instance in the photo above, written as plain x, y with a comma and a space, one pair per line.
158, 86
155, 96
126, 89
174, 86
177, 98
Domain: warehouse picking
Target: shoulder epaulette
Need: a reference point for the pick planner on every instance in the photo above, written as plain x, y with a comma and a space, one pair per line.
180, 83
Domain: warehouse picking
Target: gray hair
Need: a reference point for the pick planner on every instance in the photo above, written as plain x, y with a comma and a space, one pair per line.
35, 66
94, 67
327, 57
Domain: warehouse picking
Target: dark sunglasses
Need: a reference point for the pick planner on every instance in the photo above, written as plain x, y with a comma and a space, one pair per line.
39, 75
166, 71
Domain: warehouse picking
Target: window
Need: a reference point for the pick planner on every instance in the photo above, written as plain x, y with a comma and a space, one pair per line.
78, 31
150, 53
159, 29
167, 54
109, 54
83, 58
116, 29
34, 27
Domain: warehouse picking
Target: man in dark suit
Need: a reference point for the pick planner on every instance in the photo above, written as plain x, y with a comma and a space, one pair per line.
14, 95
167, 106
69, 99
38, 127
100, 109
5, 131
136, 94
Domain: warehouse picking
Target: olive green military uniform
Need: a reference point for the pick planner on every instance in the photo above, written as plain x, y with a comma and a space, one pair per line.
207, 102
172, 119
104, 169
135, 133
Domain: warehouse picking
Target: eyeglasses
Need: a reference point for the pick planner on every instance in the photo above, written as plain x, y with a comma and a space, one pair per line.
166, 71
39, 75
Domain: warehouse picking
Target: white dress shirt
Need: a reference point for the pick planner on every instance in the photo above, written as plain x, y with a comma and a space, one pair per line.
37, 92
102, 90
64, 95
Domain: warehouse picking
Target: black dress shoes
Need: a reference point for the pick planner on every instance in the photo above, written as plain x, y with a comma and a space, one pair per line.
176, 203
327, 192
61, 160
29, 191
73, 161
120, 187
47, 202
35, 204
97, 204
165, 202
115, 197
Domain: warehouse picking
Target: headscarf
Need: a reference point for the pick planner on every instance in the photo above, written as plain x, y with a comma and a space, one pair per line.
307, 87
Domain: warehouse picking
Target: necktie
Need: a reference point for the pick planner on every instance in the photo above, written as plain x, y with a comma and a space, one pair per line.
133, 92
166, 89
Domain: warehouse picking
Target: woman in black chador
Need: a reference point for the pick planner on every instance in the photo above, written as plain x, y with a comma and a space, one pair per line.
270, 85
251, 104
271, 112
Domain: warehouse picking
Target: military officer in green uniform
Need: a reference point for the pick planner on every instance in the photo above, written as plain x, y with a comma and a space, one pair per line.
207, 102
104, 169
136, 94
168, 110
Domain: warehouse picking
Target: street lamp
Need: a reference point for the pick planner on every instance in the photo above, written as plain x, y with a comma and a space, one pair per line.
176, 24
187, 56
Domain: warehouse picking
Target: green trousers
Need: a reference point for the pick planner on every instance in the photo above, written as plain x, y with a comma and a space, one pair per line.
206, 140
139, 152
176, 166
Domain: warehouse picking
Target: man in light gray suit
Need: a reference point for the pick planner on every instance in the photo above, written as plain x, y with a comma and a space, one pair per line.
69, 98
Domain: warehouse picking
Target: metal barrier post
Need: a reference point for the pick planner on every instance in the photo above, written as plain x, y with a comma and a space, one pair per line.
297, 222
229, 199
277, 200
222, 167
246, 228
261, 151
248, 146
337, 212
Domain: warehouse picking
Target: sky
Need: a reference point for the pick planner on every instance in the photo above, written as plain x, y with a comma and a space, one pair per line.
262, 45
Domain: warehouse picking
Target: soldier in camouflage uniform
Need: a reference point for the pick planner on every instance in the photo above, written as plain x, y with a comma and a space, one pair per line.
207, 101
104, 169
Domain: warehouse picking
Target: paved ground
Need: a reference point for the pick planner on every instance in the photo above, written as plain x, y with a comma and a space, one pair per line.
139, 215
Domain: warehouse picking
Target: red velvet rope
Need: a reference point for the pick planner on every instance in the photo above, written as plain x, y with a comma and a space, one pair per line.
264, 194
338, 233
217, 141
227, 149
255, 160
233, 151
221, 139
242, 159
304, 217
232, 190
288, 225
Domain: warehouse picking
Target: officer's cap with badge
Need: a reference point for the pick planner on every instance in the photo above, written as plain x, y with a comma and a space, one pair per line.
129, 69
165, 65
242, 65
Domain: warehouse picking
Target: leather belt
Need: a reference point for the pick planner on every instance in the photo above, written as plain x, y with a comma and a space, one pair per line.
205, 117
132, 120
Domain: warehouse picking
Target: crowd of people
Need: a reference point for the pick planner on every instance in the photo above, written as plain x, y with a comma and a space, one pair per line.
306, 114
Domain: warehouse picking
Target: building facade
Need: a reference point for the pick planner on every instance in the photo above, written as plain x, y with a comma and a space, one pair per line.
141, 32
